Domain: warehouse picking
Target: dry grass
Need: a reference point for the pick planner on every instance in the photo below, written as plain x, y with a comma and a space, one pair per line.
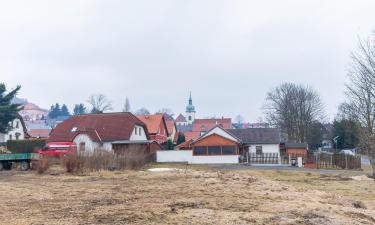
188, 196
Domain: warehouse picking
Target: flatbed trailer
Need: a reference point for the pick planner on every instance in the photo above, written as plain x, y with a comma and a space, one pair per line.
24, 159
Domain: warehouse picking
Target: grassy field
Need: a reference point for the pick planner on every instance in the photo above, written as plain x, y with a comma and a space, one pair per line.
192, 195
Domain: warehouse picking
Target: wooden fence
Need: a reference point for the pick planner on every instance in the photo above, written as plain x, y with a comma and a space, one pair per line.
335, 161
265, 158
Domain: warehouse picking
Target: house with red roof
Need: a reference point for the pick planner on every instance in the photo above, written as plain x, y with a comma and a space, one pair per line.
171, 128
32, 112
156, 126
204, 125
107, 131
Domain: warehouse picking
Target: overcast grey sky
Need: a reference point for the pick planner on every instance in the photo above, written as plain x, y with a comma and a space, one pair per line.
228, 53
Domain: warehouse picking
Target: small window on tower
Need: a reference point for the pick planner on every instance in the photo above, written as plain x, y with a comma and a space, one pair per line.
189, 118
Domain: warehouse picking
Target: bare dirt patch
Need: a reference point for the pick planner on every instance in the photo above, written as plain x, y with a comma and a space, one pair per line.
184, 197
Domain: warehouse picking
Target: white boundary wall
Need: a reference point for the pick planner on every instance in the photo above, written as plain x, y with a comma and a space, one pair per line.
225, 159
186, 156
174, 156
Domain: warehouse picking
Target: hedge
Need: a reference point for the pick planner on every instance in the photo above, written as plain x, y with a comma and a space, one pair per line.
25, 146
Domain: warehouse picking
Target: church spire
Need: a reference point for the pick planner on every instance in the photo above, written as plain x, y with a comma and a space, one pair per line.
190, 107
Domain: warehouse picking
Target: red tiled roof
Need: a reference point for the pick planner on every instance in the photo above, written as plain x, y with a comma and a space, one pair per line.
184, 145
153, 122
175, 138
207, 124
170, 125
39, 133
192, 135
100, 127
180, 118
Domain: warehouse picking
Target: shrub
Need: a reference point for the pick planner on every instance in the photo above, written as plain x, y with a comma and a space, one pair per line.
132, 157
72, 163
25, 146
42, 165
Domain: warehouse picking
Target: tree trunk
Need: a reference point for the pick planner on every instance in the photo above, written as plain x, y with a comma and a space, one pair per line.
372, 162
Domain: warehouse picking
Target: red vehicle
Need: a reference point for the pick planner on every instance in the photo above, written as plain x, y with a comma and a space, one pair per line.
58, 149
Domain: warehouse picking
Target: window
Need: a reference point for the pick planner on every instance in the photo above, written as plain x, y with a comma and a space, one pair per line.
82, 146
189, 118
259, 150
10, 137
136, 130
18, 136
140, 131
17, 124
200, 151
214, 150
229, 150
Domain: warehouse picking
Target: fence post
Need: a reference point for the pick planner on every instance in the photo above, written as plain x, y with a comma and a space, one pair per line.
331, 162
346, 161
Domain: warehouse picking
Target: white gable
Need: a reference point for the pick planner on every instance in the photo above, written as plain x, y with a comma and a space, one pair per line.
138, 134
219, 131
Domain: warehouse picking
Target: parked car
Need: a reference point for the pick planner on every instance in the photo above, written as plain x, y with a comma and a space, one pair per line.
58, 149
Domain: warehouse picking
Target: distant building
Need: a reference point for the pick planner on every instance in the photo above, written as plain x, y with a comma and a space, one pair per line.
190, 111
204, 125
108, 131
32, 112
156, 126
17, 131
171, 127
181, 120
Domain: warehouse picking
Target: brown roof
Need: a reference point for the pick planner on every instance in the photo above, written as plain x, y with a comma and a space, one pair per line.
208, 124
100, 127
153, 122
39, 133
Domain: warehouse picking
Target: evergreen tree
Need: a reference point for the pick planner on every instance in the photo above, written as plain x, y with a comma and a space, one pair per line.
126, 105
347, 132
64, 111
79, 109
55, 111
8, 111
181, 138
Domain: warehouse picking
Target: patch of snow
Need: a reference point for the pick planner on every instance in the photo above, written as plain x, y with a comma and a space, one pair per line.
362, 178
163, 170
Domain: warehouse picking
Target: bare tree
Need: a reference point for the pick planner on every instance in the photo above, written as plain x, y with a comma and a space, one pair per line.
167, 111
239, 119
99, 103
293, 108
360, 92
127, 105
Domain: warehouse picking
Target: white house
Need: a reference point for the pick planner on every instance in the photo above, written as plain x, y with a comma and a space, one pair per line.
16, 132
258, 140
225, 146
94, 131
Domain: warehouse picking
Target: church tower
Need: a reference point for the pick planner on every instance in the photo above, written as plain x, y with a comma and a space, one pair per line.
190, 111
